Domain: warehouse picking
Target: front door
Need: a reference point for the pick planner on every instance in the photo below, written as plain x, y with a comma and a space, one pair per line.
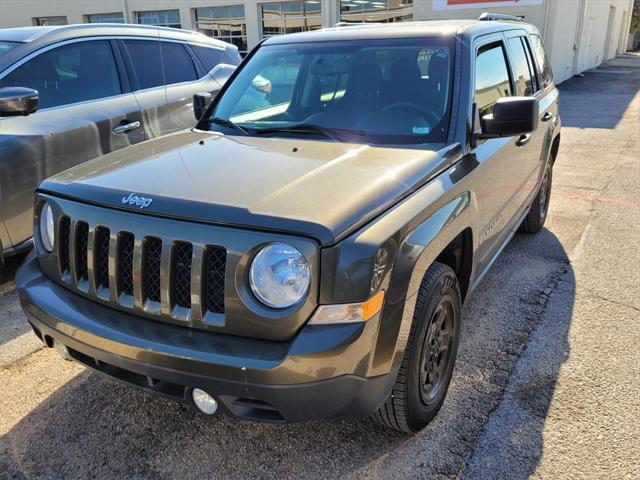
85, 111
498, 176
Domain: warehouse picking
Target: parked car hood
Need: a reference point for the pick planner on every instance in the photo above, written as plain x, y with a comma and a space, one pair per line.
320, 189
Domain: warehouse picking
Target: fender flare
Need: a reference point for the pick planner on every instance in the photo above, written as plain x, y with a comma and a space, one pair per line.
414, 255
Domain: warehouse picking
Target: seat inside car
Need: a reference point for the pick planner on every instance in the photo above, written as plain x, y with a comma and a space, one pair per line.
361, 96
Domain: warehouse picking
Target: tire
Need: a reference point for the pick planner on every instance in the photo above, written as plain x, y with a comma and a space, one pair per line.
534, 221
417, 396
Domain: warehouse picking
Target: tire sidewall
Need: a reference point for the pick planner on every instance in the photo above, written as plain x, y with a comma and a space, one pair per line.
418, 412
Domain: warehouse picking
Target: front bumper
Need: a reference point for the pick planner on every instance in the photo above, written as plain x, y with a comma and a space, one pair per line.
321, 373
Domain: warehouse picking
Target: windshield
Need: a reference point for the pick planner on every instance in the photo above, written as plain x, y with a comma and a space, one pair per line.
6, 46
392, 91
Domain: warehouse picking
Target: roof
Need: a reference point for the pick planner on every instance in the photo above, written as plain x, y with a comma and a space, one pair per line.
33, 38
398, 30
29, 34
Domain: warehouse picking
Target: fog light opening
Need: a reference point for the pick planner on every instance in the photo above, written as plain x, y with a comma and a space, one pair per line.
205, 402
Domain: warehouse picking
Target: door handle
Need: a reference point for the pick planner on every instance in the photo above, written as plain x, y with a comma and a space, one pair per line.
523, 140
547, 116
125, 128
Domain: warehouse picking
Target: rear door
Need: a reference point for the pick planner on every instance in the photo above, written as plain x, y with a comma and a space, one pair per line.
184, 76
167, 75
547, 95
86, 110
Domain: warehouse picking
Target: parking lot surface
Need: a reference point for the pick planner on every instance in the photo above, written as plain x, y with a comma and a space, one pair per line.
547, 382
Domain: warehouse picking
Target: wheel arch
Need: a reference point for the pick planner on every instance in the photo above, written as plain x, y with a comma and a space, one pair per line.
555, 147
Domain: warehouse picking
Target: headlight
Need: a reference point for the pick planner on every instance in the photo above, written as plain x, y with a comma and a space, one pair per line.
279, 275
47, 230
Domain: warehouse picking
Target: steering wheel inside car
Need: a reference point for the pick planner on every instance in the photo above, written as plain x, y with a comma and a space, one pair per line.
431, 116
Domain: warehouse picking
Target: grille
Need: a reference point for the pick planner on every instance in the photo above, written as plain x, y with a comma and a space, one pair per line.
101, 257
154, 274
182, 274
63, 254
216, 261
82, 245
125, 260
152, 259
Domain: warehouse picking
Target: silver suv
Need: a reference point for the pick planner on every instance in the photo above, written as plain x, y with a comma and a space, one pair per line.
96, 89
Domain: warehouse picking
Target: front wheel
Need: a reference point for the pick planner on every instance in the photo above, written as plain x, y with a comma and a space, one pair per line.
534, 221
430, 355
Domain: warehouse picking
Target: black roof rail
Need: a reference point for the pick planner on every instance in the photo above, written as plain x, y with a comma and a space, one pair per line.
486, 17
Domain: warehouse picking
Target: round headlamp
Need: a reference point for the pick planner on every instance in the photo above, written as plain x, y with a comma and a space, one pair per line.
47, 229
279, 275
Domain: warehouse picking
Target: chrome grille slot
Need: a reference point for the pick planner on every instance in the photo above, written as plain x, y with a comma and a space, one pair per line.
82, 247
64, 233
125, 262
214, 275
102, 237
152, 255
181, 282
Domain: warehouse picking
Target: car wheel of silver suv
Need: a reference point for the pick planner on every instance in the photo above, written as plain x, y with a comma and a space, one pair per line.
426, 369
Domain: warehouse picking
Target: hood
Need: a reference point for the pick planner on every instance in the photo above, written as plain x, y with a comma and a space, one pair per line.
320, 189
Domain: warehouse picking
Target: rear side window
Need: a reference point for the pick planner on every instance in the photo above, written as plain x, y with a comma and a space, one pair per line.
178, 64
69, 74
210, 57
522, 75
147, 62
492, 78
544, 67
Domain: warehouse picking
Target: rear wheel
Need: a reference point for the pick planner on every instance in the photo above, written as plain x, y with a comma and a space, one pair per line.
426, 369
534, 221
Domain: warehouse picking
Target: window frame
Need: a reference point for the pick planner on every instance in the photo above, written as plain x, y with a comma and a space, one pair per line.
130, 67
519, 34
163, 25
480, 43
87, 17
224, 38
541, 84
304, 16
120, 68
385, 13
36, 20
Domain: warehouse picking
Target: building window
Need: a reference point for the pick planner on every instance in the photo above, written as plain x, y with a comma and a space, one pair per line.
224, 23
44, 21
361, 11
290, 17
160, 18
115, 17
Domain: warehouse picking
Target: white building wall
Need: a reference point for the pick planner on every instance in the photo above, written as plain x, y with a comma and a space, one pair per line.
578, 33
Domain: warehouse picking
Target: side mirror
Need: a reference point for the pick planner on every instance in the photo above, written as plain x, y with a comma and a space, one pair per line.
511, 116
18, 101
221, 72
200, 103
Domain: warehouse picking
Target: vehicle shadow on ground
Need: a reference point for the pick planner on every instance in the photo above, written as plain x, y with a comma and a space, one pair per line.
92, 426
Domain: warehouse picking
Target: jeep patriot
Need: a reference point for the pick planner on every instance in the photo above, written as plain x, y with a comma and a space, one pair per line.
305, 251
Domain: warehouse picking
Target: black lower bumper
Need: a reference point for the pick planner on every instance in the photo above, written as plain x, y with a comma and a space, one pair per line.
319, 374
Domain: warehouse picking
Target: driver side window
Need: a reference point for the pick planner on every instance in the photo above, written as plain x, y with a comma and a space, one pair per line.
72, 73
492, 78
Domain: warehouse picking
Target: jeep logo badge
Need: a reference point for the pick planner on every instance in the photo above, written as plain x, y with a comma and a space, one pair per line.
140, 202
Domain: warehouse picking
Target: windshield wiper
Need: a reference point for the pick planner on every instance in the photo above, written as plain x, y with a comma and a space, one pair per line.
228, 123
331, 132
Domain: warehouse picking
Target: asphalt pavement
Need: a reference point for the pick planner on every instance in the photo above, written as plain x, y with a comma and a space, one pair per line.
547, 382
